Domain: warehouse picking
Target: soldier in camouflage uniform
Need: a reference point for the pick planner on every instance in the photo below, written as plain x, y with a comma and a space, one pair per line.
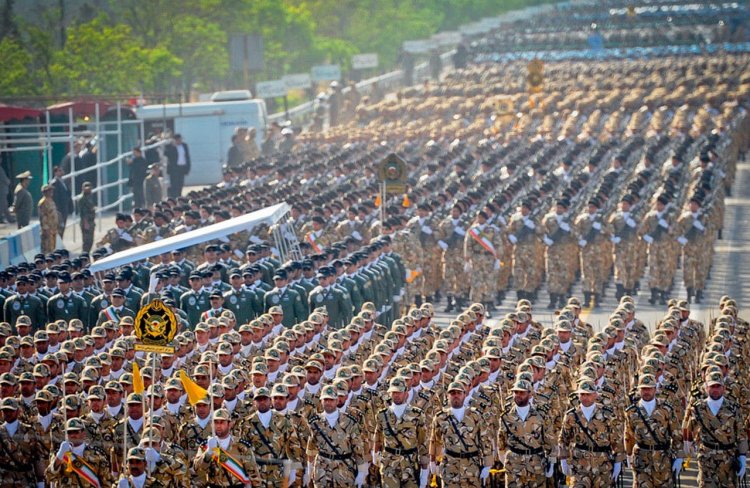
593, 240
76, 461
657, 233
694, 237
625, 243
482, 248
451, 235
20, 449
48, 219
523, 234
560, 253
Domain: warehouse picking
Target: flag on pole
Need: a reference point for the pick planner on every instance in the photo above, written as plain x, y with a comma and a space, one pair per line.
194, 391
137, 379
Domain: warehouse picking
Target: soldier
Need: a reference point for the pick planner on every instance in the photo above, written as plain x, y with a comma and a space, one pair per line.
86, 208
451, 235
715, 424
136, 475
335, 449
657, 233
401, 445
526, 441
653, 439
152, 185
195, 301
48, 219
591, 451
117, 310
287, 299
223, 460
195, 430
422, 226
20, 449
132, 426
77, 463
23, 303
625, 241
66, 304
329, 296
694, 239
561, 246
460, 443
119, 238
593, 241
523, 235
482, 251
22, 202
240, 300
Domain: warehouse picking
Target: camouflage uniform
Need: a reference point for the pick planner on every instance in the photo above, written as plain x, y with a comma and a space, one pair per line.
403, 446
465, 447
273, 446
336, 452
625, 250
527, 444
482, 258
452, 233
210, 472
20, 460
48, 219
524, 231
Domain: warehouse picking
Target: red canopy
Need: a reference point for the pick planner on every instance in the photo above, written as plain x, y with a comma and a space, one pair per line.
17, 113
80, 108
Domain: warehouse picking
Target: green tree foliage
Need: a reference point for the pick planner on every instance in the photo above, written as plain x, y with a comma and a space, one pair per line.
163, 46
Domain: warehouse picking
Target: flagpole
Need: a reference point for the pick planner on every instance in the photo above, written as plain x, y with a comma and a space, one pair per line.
210, 397
151, 407
124, 442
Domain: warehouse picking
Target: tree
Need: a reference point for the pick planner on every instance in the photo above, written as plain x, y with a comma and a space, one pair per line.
202, 48
14, 70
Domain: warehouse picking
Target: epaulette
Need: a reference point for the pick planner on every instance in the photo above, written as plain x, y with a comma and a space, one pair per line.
423, 394
364, 397
313, 418
382, 410
418, 410
246, 443
608, 389
609, 409
354, 418
631, 407
543, 395
100, 451
570, 410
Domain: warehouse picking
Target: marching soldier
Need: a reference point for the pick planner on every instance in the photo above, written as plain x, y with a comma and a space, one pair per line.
21, 463
482, 251
657, 233
451, 235
287, 299
48, 219
625, 242
76, 463
195, 301
592, 239
692, 236
523, 235
561, 251
327, 295
66, 304
423, 227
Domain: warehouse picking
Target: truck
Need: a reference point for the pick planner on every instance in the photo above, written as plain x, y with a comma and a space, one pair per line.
207, 128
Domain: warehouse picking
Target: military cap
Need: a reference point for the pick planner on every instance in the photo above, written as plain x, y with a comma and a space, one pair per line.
9, 403
397, 385
43, 396
371, 366
23, 321
279, 390
96, 392
715, 379
72, 402
261, 368
118, 292
456, 386
41, 370
134, 398
586, 386
276, 310
522, 385
329, 392
75, 424
136, 454
647, 381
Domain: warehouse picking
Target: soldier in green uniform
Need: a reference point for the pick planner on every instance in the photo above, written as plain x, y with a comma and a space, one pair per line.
241, 301
286, 298
66, 305
195, 301
117, 310
23, 303
328, 296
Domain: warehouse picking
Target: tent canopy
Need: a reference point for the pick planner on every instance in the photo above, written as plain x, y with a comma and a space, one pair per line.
268, 215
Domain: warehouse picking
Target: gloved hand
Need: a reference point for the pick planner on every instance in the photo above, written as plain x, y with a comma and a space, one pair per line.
40, 484
582, 242
460, 231
547, 240
512, 239
682, 240
697, 224
550, 470
687, 446
615, 239
565, 226
743, 466
502, 456
357, 235
361, 474
496, 265
376, 458
648, 239
467, 267
597, 225
677, 466
565, 467
442, 245
530, 224
630, 223
629, 461
307, 475
664, 223
433, 467
123, 483
212, 443
426, 229
64, 449
424, 475
485, 473
292, 477
152, 457
616, 470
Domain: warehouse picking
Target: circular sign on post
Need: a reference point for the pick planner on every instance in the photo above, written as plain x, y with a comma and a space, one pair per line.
155, 326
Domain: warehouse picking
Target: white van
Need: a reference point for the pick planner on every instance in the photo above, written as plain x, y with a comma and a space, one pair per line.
207, 128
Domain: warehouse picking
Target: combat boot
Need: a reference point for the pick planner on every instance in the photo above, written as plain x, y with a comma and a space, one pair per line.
552, 301
596, 301
698, 295
662, 297
561, 301
436, 297
620, 292
500, 297
520, 294
450, 304
690, 295
417, 301
654, 296
586, 299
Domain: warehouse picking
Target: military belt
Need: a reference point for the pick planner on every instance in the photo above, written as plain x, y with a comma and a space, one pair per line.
336, 457
526, 452
461, 455
719, 447
400, 452
584, 447
655, 447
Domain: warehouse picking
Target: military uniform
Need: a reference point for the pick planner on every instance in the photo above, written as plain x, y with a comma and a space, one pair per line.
225, 468
338, 307
93, 460
482, 249
86, 205
403, 446
31, 306
243, 303
528, 444
523, 233
48, 220
560, 256
62, 307
625, 240
657, 233
194, 303
273, 446
290, 302
20, 461
335, 452
451, 235
465, 447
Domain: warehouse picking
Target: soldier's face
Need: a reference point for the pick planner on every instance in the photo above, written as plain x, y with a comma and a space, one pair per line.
587, 399
43, 407
10, 415
715, 391
27, 388
114, 398
330, 405
521, 398
136, 467
76, 437
173, 395
279, 402
202, 410
135, 410
96, 405
399, 397
648, 394
456, 398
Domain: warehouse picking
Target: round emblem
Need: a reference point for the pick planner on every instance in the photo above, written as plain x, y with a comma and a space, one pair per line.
319, 298
233, 299
191, 301
16, 306
275, 299
104, 304
60, 304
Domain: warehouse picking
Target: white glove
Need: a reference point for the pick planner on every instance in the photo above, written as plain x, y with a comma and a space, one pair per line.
630, 223
682, 240
433, 468
485, 473
648, 239
152, 457
677, 466
664, 223
550, 471
564, 226
40, 484
123, 483
615, 239
582, 242
423, 477
697, 224
376, 458
212, 443
687, 446
426, 229
292, 477
496, 265
306, 476
597, 225
528, 223
547, 240
502, 456
64, 449
467, 267
512, 238
460, 231
629, 461
564, 467
357, 235
743, 466
616, 471
407, 273
443, 245
361, 475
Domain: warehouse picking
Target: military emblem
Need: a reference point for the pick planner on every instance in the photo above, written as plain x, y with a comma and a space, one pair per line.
60, 304
275, 299
104, 304
16, 306
155, 324
233, 299
319, 298
191, 301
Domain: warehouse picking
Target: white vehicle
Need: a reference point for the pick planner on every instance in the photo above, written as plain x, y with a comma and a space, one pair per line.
207, 128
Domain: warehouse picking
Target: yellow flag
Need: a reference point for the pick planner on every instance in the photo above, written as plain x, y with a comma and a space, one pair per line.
137, 379
193, 390
377, 200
